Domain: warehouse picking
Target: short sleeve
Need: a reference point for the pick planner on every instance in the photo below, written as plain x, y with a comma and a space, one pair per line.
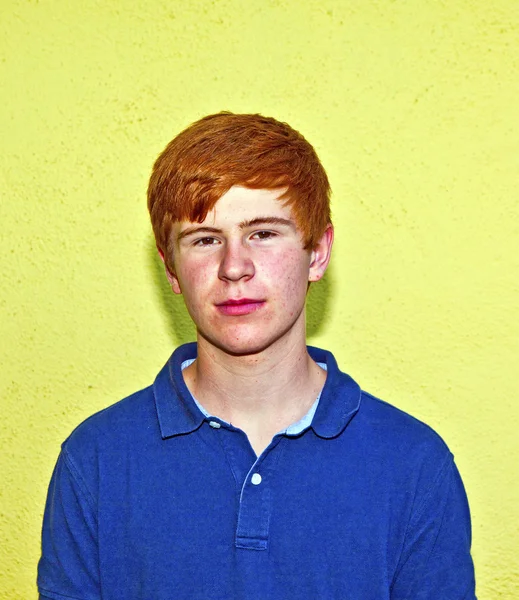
69, 566
436, 561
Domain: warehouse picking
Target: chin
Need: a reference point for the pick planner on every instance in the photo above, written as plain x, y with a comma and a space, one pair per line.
242, 348
241, 345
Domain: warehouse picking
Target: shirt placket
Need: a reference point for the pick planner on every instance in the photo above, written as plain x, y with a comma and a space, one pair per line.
254, 478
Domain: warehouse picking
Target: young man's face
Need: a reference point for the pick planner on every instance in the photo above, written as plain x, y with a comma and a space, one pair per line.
244, 272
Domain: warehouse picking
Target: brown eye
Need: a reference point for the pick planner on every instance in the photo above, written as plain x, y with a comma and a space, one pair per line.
206, 241
263, 235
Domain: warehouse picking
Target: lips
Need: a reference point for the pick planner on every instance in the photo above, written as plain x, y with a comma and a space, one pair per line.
239, 306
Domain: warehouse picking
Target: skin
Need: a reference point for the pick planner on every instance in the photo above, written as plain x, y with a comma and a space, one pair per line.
244, 275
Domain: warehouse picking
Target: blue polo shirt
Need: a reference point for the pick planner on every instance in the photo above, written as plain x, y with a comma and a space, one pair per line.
152, 499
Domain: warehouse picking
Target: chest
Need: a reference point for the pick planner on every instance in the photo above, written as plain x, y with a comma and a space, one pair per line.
307, 515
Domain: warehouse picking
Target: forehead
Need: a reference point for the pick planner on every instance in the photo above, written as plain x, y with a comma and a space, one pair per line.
241, 204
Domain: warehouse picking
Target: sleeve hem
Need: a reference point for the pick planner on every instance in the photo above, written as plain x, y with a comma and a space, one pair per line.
49, 595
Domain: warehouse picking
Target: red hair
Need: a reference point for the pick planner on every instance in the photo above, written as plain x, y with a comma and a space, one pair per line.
222, 150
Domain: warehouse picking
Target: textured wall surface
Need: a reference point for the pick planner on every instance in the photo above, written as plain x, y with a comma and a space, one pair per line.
413, 107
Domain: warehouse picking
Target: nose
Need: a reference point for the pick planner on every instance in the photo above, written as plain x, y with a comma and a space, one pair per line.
236, 262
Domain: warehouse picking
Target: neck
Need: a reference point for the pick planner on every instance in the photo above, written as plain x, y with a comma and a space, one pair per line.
261, 393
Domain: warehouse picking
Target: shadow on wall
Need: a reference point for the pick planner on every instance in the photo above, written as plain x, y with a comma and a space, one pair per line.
177, 319
318, 304
182, 329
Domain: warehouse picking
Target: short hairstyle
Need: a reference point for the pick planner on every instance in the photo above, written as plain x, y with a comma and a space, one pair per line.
225, 149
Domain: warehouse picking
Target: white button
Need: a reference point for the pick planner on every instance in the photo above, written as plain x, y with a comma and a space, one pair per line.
256, 479
214, 424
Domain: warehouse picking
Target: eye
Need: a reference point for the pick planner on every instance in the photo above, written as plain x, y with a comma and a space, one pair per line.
205, 241
263, 235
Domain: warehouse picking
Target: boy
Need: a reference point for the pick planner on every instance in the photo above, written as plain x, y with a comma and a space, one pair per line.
252, 467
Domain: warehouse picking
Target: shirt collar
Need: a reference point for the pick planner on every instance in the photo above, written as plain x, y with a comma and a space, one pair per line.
340, 397
176, 409
178, 413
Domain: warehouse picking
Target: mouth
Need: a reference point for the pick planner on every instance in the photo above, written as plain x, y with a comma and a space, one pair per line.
240, 306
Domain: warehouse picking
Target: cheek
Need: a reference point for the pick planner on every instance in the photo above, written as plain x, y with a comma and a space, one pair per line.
193, 280
290, 271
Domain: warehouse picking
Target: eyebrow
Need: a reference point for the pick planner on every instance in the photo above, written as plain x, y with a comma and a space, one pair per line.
267, 221
193, 230
258, 221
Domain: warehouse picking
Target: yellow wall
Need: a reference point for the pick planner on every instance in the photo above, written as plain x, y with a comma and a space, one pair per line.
414, 108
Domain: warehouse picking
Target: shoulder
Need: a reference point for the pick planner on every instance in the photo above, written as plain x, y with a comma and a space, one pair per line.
398, 441
389, 421
130, 419
374, 427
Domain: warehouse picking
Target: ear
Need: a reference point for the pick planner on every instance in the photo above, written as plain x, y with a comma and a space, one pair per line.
321, 254
171, 275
